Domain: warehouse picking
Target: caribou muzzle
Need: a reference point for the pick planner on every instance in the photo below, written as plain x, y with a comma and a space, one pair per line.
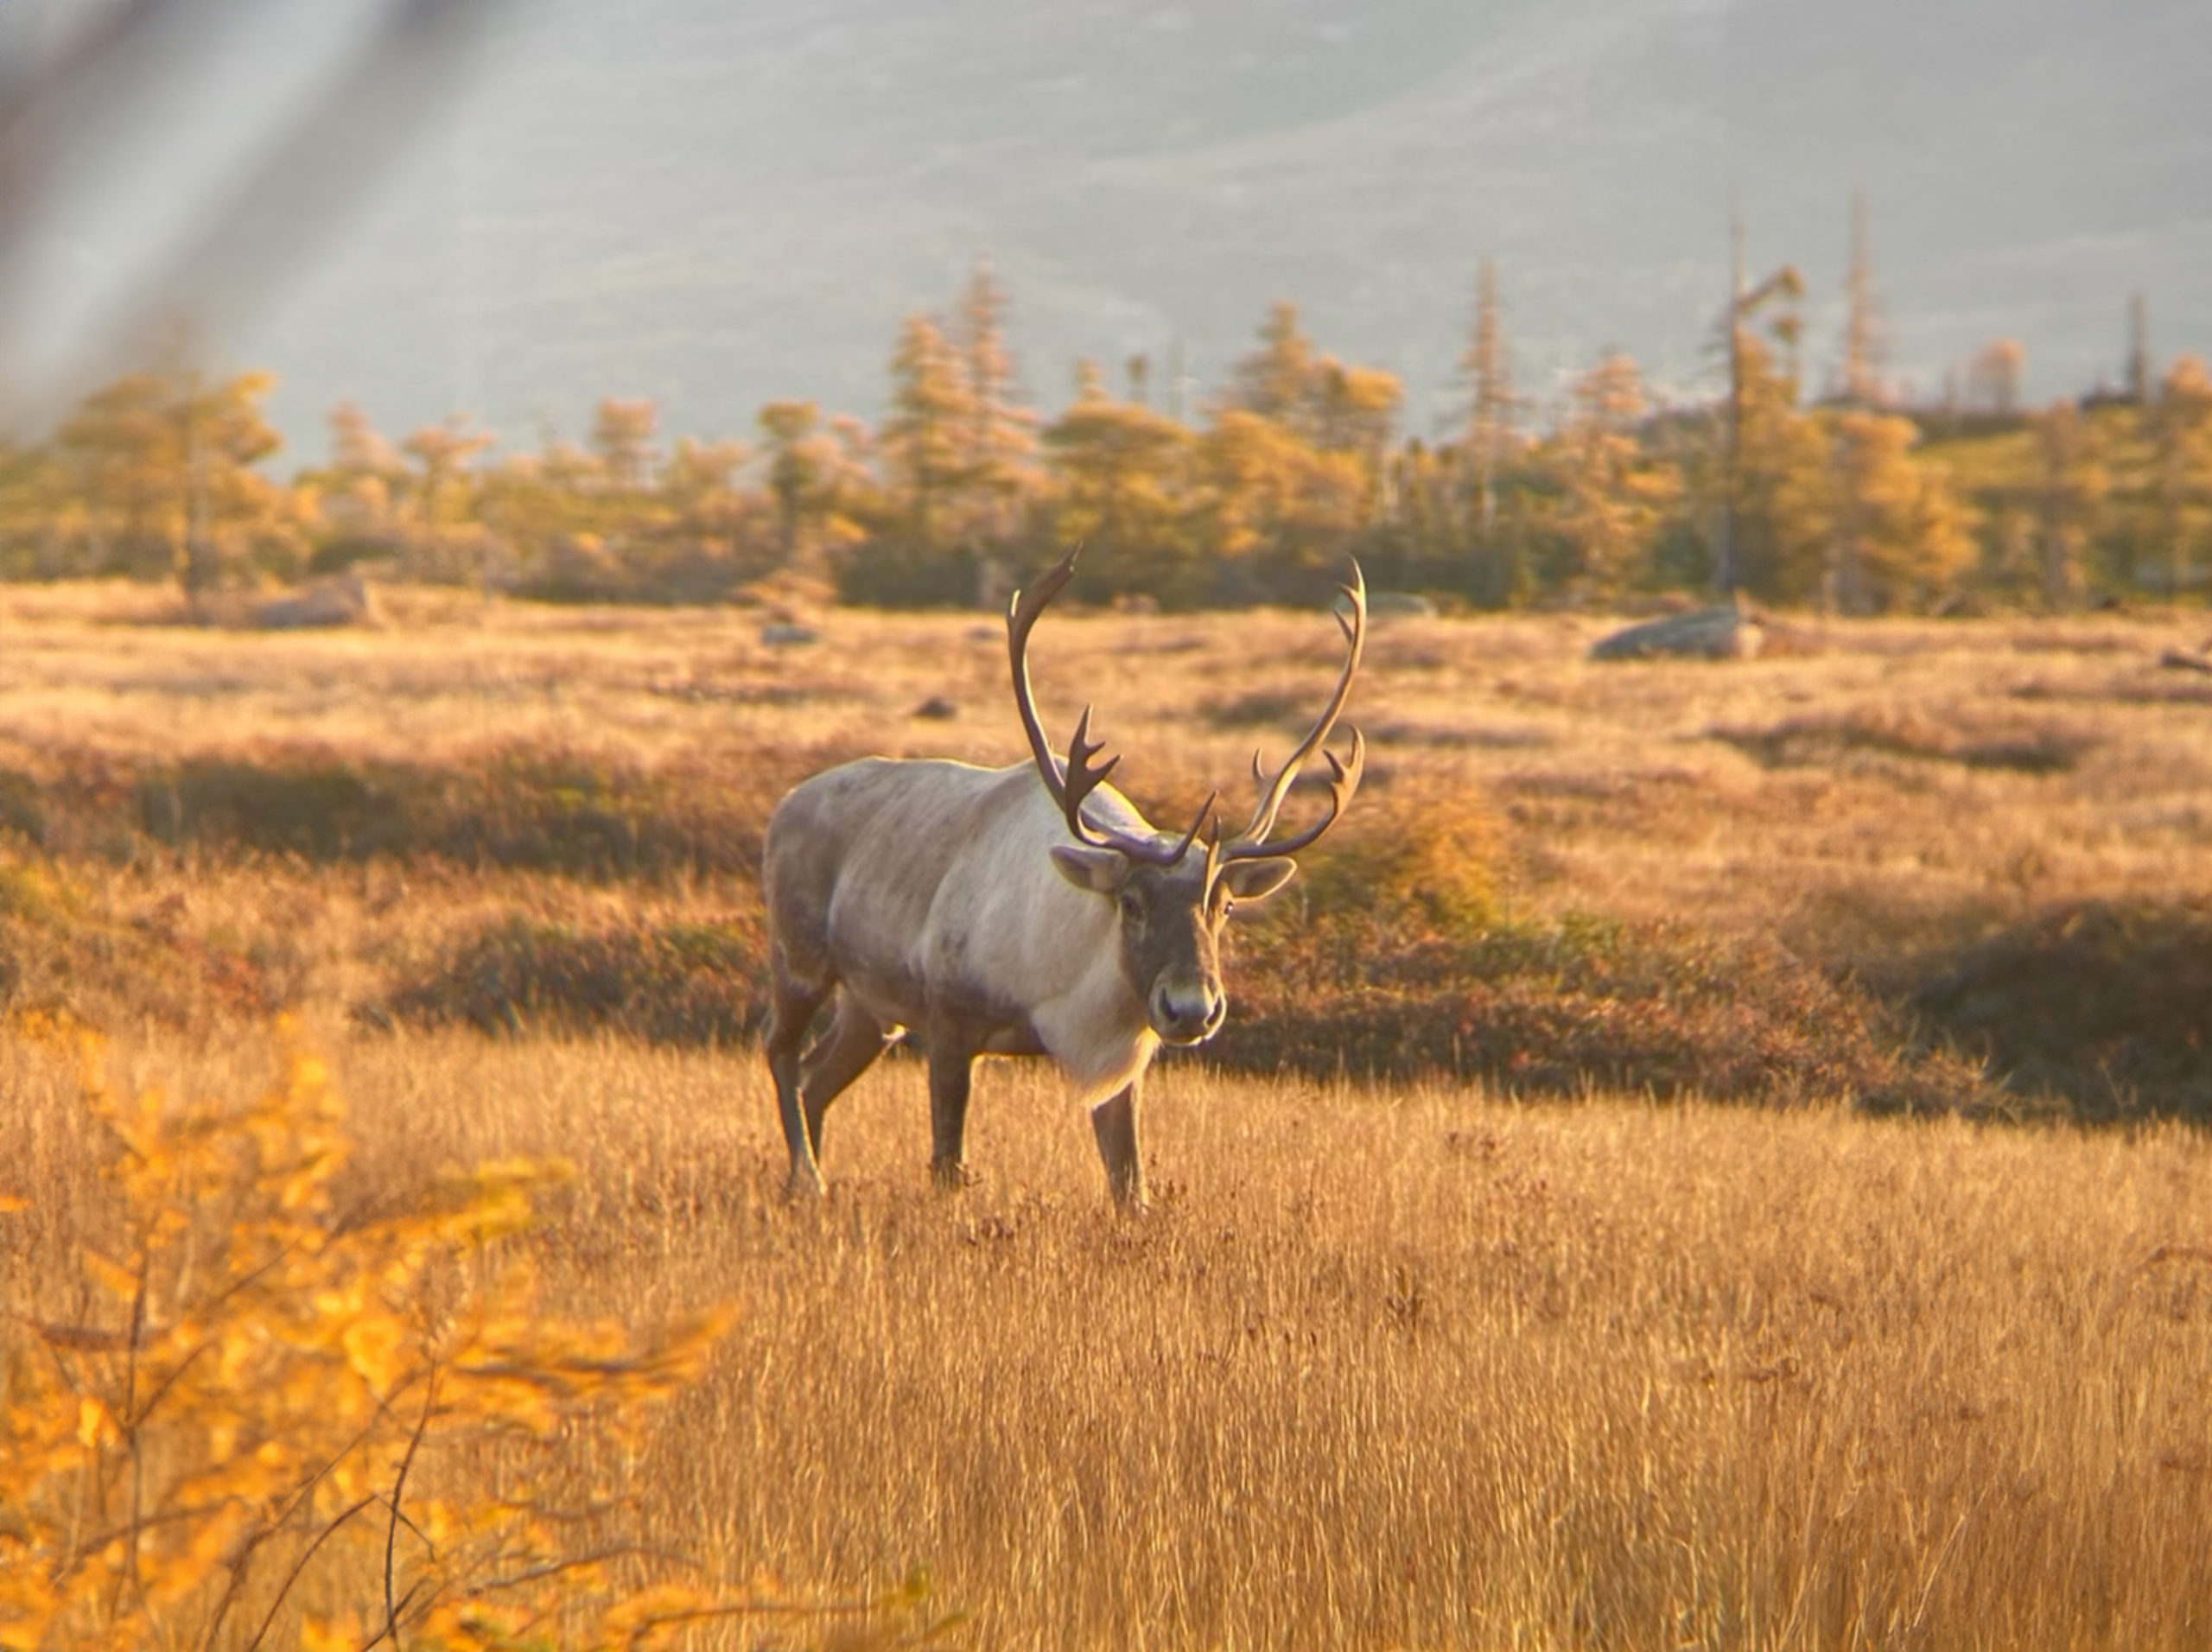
1186, 1012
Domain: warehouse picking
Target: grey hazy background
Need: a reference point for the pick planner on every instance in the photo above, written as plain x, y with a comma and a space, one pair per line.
717, 204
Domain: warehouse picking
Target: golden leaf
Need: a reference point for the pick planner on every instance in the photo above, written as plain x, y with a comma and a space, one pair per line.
373, 1348
338, 1634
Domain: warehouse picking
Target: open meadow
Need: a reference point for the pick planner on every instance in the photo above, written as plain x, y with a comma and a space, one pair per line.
1707, 1155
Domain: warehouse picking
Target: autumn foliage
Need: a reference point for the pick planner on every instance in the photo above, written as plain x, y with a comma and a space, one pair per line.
1858, 501
279, 1413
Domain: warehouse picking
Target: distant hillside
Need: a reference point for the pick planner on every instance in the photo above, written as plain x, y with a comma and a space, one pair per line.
715, 204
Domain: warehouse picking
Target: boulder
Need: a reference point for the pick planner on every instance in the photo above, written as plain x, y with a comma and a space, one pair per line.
339, 600
1723, 632
1400, 605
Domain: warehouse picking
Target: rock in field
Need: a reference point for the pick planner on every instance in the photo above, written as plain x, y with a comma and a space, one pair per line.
1724, 632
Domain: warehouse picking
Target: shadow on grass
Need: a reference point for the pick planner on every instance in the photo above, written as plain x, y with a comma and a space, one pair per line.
2106, 1004
580, 814
670, 983
1807, 742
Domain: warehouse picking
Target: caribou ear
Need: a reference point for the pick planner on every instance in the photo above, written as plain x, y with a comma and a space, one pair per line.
1100, 871
1250, 880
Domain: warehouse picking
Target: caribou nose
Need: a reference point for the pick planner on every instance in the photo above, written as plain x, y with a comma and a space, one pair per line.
1187, 1014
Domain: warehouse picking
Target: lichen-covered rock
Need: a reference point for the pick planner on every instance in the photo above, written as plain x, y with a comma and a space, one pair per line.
1725, 632
341, 599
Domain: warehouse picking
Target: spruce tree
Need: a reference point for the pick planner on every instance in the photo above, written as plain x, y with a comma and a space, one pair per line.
2072, 483
1492, 410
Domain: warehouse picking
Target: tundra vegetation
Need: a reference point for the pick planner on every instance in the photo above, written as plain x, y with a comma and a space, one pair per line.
1704, 1155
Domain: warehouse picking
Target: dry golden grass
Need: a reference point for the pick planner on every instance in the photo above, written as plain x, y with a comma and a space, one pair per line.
1645, 788
1407, 1366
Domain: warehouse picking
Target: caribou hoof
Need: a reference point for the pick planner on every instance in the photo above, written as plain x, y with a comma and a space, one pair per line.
800, 1188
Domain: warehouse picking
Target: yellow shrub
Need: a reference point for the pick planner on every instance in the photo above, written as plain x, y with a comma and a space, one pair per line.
277, 1416
1429, 857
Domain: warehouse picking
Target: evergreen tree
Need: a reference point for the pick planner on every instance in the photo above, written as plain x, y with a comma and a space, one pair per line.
1355, 410
42, 523
354, 491
1486, 367
1612, 497
999, 442
161, 462
2073, 486
1781, 465
1273, 507
1891, 534
440, 486
1993, 376
806, 473
1750, 377
2138, 352
2180, 429
1120, 468
1276, 380
1862, 342
929, 432
357, 447
622, 437
699, 484
448, 542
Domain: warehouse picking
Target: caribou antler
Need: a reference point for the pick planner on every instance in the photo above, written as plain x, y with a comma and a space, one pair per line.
1083, 777
1344, 777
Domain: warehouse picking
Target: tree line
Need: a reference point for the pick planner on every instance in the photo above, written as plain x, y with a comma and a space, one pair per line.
1854, 502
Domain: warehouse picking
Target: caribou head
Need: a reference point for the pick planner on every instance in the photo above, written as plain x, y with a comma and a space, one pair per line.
1172, 895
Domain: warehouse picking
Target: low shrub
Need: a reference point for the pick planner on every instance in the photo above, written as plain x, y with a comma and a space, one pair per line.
62, 951
670, 983
585, 815
1807, 741
1426, 861
1573, 1006
2108, 1004
1395, 955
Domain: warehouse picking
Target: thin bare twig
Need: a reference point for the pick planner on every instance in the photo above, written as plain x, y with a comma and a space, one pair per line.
390, 1630
391, 1530
130, 1431
554, 1568
162, 1388
300, 1566
421, 1535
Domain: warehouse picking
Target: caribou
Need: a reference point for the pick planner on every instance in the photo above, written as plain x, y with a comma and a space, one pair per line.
1025, 911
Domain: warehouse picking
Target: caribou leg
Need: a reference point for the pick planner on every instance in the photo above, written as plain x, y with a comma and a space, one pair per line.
1113, 1121
840, 1055
790, 1013
951, 1068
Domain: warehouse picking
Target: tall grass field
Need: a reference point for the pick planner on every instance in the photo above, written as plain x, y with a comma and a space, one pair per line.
1707, 1155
